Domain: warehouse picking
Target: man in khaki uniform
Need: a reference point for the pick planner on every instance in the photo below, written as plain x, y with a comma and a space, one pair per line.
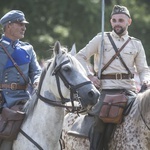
116, 77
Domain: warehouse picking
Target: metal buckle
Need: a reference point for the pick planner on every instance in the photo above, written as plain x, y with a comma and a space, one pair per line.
131, 76
13, 86
118, 77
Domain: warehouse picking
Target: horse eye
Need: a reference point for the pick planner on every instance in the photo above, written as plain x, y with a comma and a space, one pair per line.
66, 68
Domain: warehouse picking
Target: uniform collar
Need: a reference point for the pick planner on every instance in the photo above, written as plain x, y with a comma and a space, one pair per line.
124, 37
8, 41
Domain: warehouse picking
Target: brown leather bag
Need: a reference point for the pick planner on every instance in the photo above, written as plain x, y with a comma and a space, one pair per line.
112, 108
11, 120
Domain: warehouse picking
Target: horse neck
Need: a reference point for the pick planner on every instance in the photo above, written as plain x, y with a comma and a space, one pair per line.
45, 119
48, 121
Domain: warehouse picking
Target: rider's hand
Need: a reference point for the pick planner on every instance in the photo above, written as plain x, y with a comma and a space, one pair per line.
147, 84
35, 85
95, 81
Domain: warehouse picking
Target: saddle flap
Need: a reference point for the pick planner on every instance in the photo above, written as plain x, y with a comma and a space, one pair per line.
81, 126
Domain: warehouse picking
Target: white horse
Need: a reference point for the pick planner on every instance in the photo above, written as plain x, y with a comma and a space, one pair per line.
63, 80
132, 134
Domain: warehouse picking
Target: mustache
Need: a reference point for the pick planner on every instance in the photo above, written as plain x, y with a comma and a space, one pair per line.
117, 26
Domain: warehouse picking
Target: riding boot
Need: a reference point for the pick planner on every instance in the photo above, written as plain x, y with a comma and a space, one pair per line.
108, 132
6, 145
96, 135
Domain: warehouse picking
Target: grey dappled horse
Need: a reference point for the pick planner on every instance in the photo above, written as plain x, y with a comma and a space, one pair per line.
132, 134
63, 80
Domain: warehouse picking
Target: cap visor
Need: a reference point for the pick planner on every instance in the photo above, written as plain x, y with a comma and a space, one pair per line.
24, 21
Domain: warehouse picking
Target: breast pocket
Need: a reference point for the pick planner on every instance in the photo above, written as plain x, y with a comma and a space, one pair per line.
108, 52
129, 55
108, 48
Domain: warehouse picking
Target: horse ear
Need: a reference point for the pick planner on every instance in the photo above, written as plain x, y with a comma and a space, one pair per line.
73, 50
57, 48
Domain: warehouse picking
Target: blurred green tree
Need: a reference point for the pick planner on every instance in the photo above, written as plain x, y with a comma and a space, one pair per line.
75, 21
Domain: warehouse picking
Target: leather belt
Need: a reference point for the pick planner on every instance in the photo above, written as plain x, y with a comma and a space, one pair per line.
13, 86
117, 76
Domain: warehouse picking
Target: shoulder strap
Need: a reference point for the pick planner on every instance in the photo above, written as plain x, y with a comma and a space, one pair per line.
15, 64
116, 50
117, 53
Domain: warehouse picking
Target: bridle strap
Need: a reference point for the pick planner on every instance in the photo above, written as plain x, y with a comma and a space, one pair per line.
54, 103
64, 100
71, 87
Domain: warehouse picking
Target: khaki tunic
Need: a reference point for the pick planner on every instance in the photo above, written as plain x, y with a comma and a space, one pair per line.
133, 55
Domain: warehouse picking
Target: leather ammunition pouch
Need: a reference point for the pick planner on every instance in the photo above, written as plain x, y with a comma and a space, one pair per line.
10, 123
112, 108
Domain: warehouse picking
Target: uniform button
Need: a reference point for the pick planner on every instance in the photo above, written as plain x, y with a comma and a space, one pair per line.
27, 56
6, 80
6, 92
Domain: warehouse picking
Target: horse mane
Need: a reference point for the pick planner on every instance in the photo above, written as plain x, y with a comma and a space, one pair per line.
30, 104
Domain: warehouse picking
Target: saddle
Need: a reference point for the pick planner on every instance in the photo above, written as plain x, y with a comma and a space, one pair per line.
82, 126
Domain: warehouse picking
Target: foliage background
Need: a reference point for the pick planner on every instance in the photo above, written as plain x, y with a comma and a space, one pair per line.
75, 21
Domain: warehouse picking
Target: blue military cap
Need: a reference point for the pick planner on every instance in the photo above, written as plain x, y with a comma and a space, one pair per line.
13, 16
120, 10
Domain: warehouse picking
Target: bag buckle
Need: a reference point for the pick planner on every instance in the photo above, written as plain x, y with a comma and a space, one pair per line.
118, 76
13, 86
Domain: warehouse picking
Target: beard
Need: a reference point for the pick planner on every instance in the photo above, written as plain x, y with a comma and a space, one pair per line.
119, 30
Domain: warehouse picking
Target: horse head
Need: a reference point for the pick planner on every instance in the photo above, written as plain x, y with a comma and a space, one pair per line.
67, 80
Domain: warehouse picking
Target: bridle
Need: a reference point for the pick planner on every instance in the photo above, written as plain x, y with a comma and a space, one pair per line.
73, 95
73, 90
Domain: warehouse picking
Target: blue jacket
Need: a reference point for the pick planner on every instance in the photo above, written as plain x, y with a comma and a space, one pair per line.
25, 57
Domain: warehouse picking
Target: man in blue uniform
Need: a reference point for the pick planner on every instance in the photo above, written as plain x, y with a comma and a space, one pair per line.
13, 85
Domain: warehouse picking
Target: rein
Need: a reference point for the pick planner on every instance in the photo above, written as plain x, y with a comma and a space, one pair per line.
143, 88
143, 118
31, 140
